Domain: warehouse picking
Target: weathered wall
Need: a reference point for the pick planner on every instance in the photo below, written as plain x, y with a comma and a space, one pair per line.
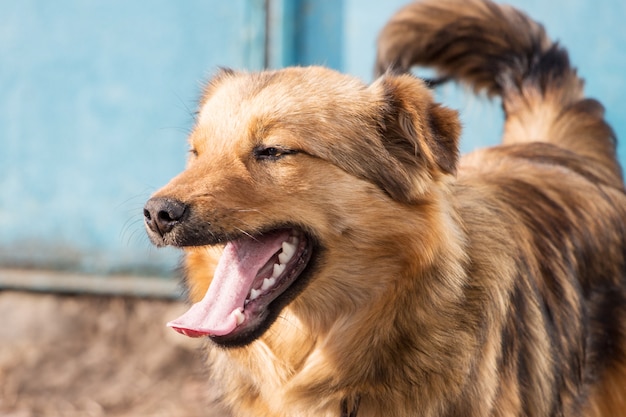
96, 99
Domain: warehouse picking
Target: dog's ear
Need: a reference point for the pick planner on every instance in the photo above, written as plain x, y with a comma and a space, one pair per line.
419, 133
220, 75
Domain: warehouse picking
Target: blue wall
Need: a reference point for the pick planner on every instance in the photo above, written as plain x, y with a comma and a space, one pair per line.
96, 98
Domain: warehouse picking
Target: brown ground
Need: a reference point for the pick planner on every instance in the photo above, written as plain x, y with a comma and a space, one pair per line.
94, 356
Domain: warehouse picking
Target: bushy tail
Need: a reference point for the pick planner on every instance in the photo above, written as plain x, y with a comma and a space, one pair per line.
498, 49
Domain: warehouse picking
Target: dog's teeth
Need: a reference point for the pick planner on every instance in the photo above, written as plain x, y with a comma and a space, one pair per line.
254, 294
268, 283
238, 314
287, 253
278, 269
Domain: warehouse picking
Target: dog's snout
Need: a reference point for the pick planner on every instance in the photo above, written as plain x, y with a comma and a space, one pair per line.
162, 214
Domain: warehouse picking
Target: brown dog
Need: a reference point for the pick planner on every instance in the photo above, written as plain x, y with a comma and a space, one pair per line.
364, 270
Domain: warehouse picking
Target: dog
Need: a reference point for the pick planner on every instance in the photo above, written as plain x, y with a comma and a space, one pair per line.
343, 260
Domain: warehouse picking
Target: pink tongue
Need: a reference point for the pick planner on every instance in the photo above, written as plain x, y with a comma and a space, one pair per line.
232, 281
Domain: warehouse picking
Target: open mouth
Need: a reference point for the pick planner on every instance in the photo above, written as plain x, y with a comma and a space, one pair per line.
254, 279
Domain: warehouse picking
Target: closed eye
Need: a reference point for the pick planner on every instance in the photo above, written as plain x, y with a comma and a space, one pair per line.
272, 153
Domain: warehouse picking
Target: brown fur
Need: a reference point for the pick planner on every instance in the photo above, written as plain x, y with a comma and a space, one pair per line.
490, 286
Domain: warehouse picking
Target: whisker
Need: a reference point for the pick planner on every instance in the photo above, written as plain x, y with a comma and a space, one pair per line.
290, 323
246, 233
190, 112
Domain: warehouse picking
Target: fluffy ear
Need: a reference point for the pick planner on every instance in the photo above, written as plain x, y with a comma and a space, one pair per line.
421, 134
220, 75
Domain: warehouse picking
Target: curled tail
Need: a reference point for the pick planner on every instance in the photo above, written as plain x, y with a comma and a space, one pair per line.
500, 50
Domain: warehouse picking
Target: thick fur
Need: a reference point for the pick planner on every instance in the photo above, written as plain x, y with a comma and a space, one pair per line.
493, 285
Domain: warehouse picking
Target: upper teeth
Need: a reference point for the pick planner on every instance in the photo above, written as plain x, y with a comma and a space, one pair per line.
254, 294
288, 251
278, 269
268, 283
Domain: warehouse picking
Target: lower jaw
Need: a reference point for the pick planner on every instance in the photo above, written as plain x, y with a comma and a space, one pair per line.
249, 333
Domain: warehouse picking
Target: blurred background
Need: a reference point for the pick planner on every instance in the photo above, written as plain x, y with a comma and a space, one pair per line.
96, 100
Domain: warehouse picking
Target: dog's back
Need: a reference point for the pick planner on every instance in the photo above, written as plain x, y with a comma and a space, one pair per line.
557, 176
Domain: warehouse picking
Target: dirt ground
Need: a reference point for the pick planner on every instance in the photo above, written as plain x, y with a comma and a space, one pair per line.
93, 356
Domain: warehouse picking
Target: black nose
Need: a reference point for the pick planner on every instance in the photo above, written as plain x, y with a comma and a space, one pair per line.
162, 214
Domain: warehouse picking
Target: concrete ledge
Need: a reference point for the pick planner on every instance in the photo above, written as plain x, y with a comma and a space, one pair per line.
72, 283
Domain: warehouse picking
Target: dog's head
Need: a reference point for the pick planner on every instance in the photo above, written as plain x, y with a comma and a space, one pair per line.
295, 173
